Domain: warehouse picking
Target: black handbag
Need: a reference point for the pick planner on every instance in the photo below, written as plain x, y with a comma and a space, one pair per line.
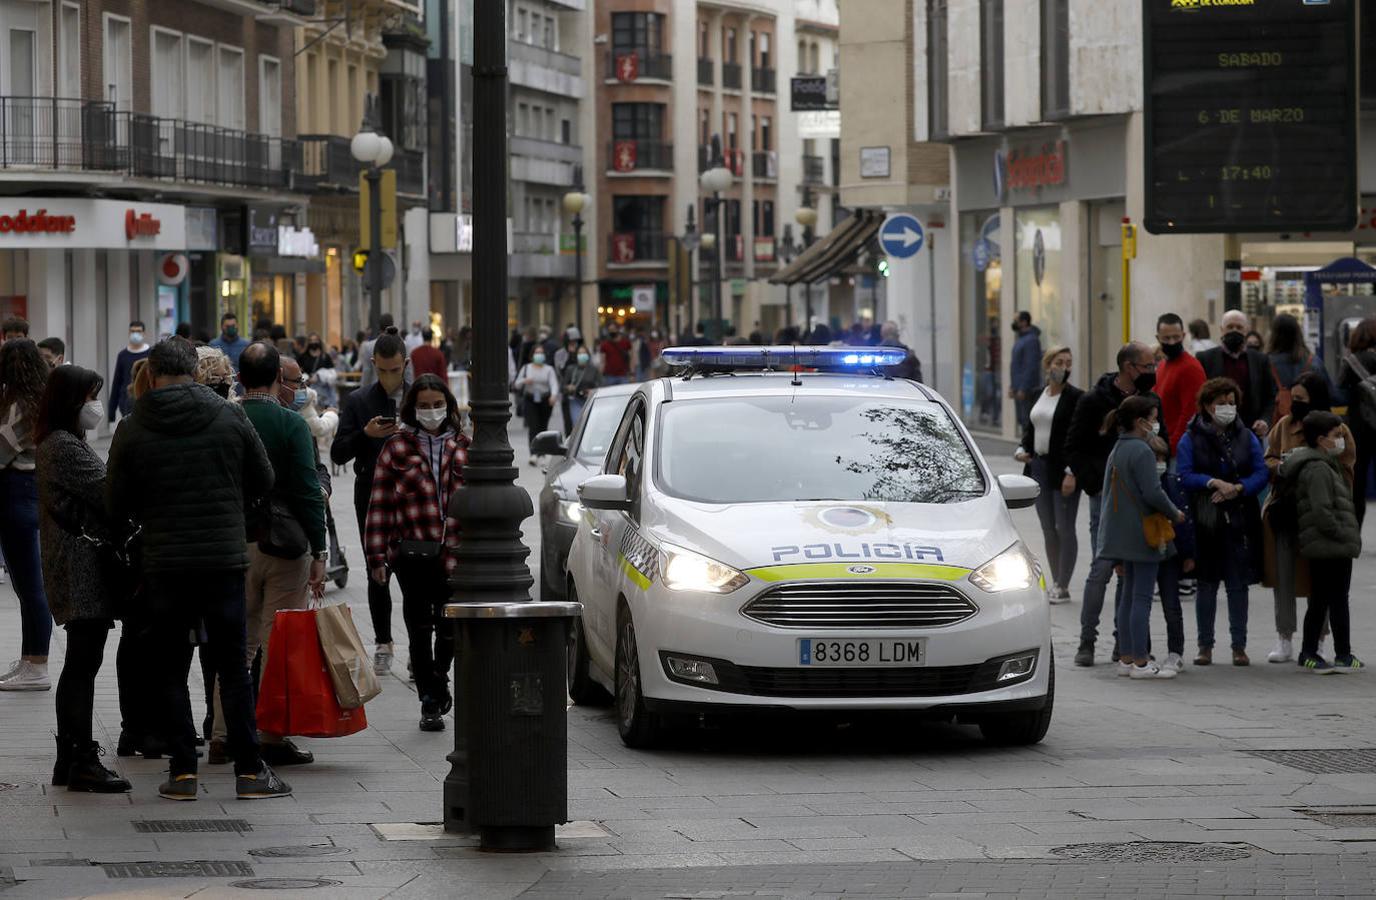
418, 551
278, 533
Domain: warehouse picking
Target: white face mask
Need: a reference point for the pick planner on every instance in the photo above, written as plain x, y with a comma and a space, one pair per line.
136, 337
1339, 445
1160, 468
91, 414
1225, 415
432, 419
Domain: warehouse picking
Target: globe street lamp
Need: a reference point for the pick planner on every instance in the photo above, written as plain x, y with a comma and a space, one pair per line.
716, 179
574, 203
806, 216
374, 151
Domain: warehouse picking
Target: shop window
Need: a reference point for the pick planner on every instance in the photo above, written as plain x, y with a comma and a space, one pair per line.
938, 70
991, 64
1056, 58
981, 280
1039, 287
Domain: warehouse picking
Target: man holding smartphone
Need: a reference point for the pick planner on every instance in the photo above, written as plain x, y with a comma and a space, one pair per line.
368, 419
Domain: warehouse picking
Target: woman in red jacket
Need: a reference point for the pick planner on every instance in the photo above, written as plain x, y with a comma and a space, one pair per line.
409, 532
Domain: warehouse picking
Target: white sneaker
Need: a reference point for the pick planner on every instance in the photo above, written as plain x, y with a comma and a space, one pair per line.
1124, 669
1173, 663
382, 659
4, 574
14, 667
28, 677
1284, 651
1150, 670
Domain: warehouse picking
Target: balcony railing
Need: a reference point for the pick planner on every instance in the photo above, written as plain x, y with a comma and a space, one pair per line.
735, 248
84, 135
706, 71
327, 162
765, 163
410, 166
630, 155
629, 248
814, 170
632, 64
762, 81
731, 75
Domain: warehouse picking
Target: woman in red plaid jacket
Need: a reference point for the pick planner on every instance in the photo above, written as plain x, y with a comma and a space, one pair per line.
409, 532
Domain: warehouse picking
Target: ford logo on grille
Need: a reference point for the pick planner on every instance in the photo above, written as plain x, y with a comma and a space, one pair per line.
861, 570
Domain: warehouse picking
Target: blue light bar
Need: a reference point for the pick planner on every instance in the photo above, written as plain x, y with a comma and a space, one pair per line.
784, 357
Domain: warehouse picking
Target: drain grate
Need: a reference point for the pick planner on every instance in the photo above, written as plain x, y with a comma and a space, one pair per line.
1340, 819
189, 826
1151, 851
1357, 761
305, 852
200, 868
284, 884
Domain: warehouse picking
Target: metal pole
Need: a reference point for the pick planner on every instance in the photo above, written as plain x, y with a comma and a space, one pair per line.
489, 506
374, 177
718, 274
578, 271
931, 294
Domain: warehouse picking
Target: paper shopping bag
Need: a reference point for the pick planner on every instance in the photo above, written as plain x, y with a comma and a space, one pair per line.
296, 696
350, 668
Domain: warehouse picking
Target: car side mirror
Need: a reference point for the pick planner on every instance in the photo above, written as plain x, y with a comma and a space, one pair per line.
548, 443
604, 492
1019, 491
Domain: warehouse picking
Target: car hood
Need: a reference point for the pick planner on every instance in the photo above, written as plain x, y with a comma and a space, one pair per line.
773, 540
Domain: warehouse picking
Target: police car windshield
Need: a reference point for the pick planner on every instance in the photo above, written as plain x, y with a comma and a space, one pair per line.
603, 415
784, 449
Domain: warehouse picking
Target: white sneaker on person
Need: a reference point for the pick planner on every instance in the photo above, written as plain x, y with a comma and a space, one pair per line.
1150, 670
4, 574
14, 667
1283, 652
382, 659
1124, 669
29, 676
1173, 663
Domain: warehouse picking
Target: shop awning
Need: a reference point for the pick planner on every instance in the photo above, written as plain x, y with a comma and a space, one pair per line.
834, 252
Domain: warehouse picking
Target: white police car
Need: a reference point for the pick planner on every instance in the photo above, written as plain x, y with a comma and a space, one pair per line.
762, 535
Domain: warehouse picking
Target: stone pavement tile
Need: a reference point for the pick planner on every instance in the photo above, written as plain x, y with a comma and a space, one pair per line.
739, 829
837, 826
798, 857
634, 847
427, 886
758, 808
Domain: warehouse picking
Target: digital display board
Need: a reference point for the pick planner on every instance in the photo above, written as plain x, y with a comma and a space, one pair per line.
1250, 115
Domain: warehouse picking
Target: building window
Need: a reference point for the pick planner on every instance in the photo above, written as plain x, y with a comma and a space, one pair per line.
730, 44
230, 82
732, 126
521, 25
644, 215
565, 131
803, 68
269, 96
638, 121
766, 133
638, 32
200, 80
704, 51
69, 44
763, 44
991, 63
763, 217
816, 60
1056, 58
938, 70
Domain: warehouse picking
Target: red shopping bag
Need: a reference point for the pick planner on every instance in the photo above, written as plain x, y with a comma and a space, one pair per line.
296, 696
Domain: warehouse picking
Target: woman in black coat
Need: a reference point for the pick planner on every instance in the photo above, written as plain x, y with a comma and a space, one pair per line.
1043, 449
71, 511
1362, 346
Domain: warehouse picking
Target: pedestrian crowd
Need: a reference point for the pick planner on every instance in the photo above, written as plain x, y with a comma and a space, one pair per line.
1207, 466
218, 476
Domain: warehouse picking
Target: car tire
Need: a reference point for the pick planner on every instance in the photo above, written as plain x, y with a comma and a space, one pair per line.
582, 689
1021, 729
639, 727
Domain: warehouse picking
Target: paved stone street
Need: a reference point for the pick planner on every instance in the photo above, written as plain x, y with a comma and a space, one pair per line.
1181, 771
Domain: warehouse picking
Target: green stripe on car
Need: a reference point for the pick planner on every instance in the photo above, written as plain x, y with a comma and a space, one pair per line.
876, 570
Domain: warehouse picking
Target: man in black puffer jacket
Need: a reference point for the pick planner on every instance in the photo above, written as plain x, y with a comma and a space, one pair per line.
183, 467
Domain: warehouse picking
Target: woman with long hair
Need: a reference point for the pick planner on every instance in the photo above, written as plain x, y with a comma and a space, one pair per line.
409, 533
1043, 451
1290, 358
1361, 358
23, 374
71, 515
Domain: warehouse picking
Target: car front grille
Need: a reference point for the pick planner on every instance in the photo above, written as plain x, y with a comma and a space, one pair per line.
932, 681
860, 604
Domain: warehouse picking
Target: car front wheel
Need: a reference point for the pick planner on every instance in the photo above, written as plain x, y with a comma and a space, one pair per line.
639, 727
1021, 729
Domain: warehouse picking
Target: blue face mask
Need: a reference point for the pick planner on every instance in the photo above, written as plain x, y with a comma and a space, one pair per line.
299, 398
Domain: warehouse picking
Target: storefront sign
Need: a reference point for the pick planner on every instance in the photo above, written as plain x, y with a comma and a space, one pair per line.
140, 225
296, 242
260, 231
38, 223
643, 298
809, 92
1029, 168
819, 125
1251, 116
173, 268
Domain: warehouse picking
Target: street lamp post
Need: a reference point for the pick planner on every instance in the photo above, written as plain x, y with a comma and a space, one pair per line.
806, 216
709, 244
716, 179
786, 253
374, 151
575, 202
690, 241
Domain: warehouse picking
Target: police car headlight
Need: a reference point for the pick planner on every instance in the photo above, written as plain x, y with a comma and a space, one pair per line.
1011, 570
571, 510
684, 570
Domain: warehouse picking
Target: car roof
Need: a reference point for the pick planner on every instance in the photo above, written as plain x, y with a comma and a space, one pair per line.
783, 384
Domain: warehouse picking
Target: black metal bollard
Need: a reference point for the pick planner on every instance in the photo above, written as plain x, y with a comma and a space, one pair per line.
508, 778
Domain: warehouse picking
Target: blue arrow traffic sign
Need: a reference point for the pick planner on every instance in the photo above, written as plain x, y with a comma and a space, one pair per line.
902, 236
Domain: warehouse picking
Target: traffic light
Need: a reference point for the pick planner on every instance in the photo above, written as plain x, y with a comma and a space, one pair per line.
883, 267
360, 260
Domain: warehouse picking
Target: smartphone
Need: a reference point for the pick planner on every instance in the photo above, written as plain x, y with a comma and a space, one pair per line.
387, 420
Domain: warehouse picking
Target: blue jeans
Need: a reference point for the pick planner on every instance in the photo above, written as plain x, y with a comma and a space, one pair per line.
1100, 571
1168, 576
1134, 613
1206, 604
1057, 515
19, 542
575, 411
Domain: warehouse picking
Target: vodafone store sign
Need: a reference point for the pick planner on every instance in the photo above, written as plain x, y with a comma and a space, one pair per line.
63, 223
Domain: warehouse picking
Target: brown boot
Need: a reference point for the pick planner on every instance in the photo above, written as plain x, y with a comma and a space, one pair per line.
1205, 657
1240, 657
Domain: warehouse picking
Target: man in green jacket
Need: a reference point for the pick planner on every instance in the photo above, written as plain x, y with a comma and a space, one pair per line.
287, 559
1330, 537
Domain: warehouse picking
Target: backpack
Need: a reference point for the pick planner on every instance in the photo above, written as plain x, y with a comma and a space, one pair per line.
1364, 393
